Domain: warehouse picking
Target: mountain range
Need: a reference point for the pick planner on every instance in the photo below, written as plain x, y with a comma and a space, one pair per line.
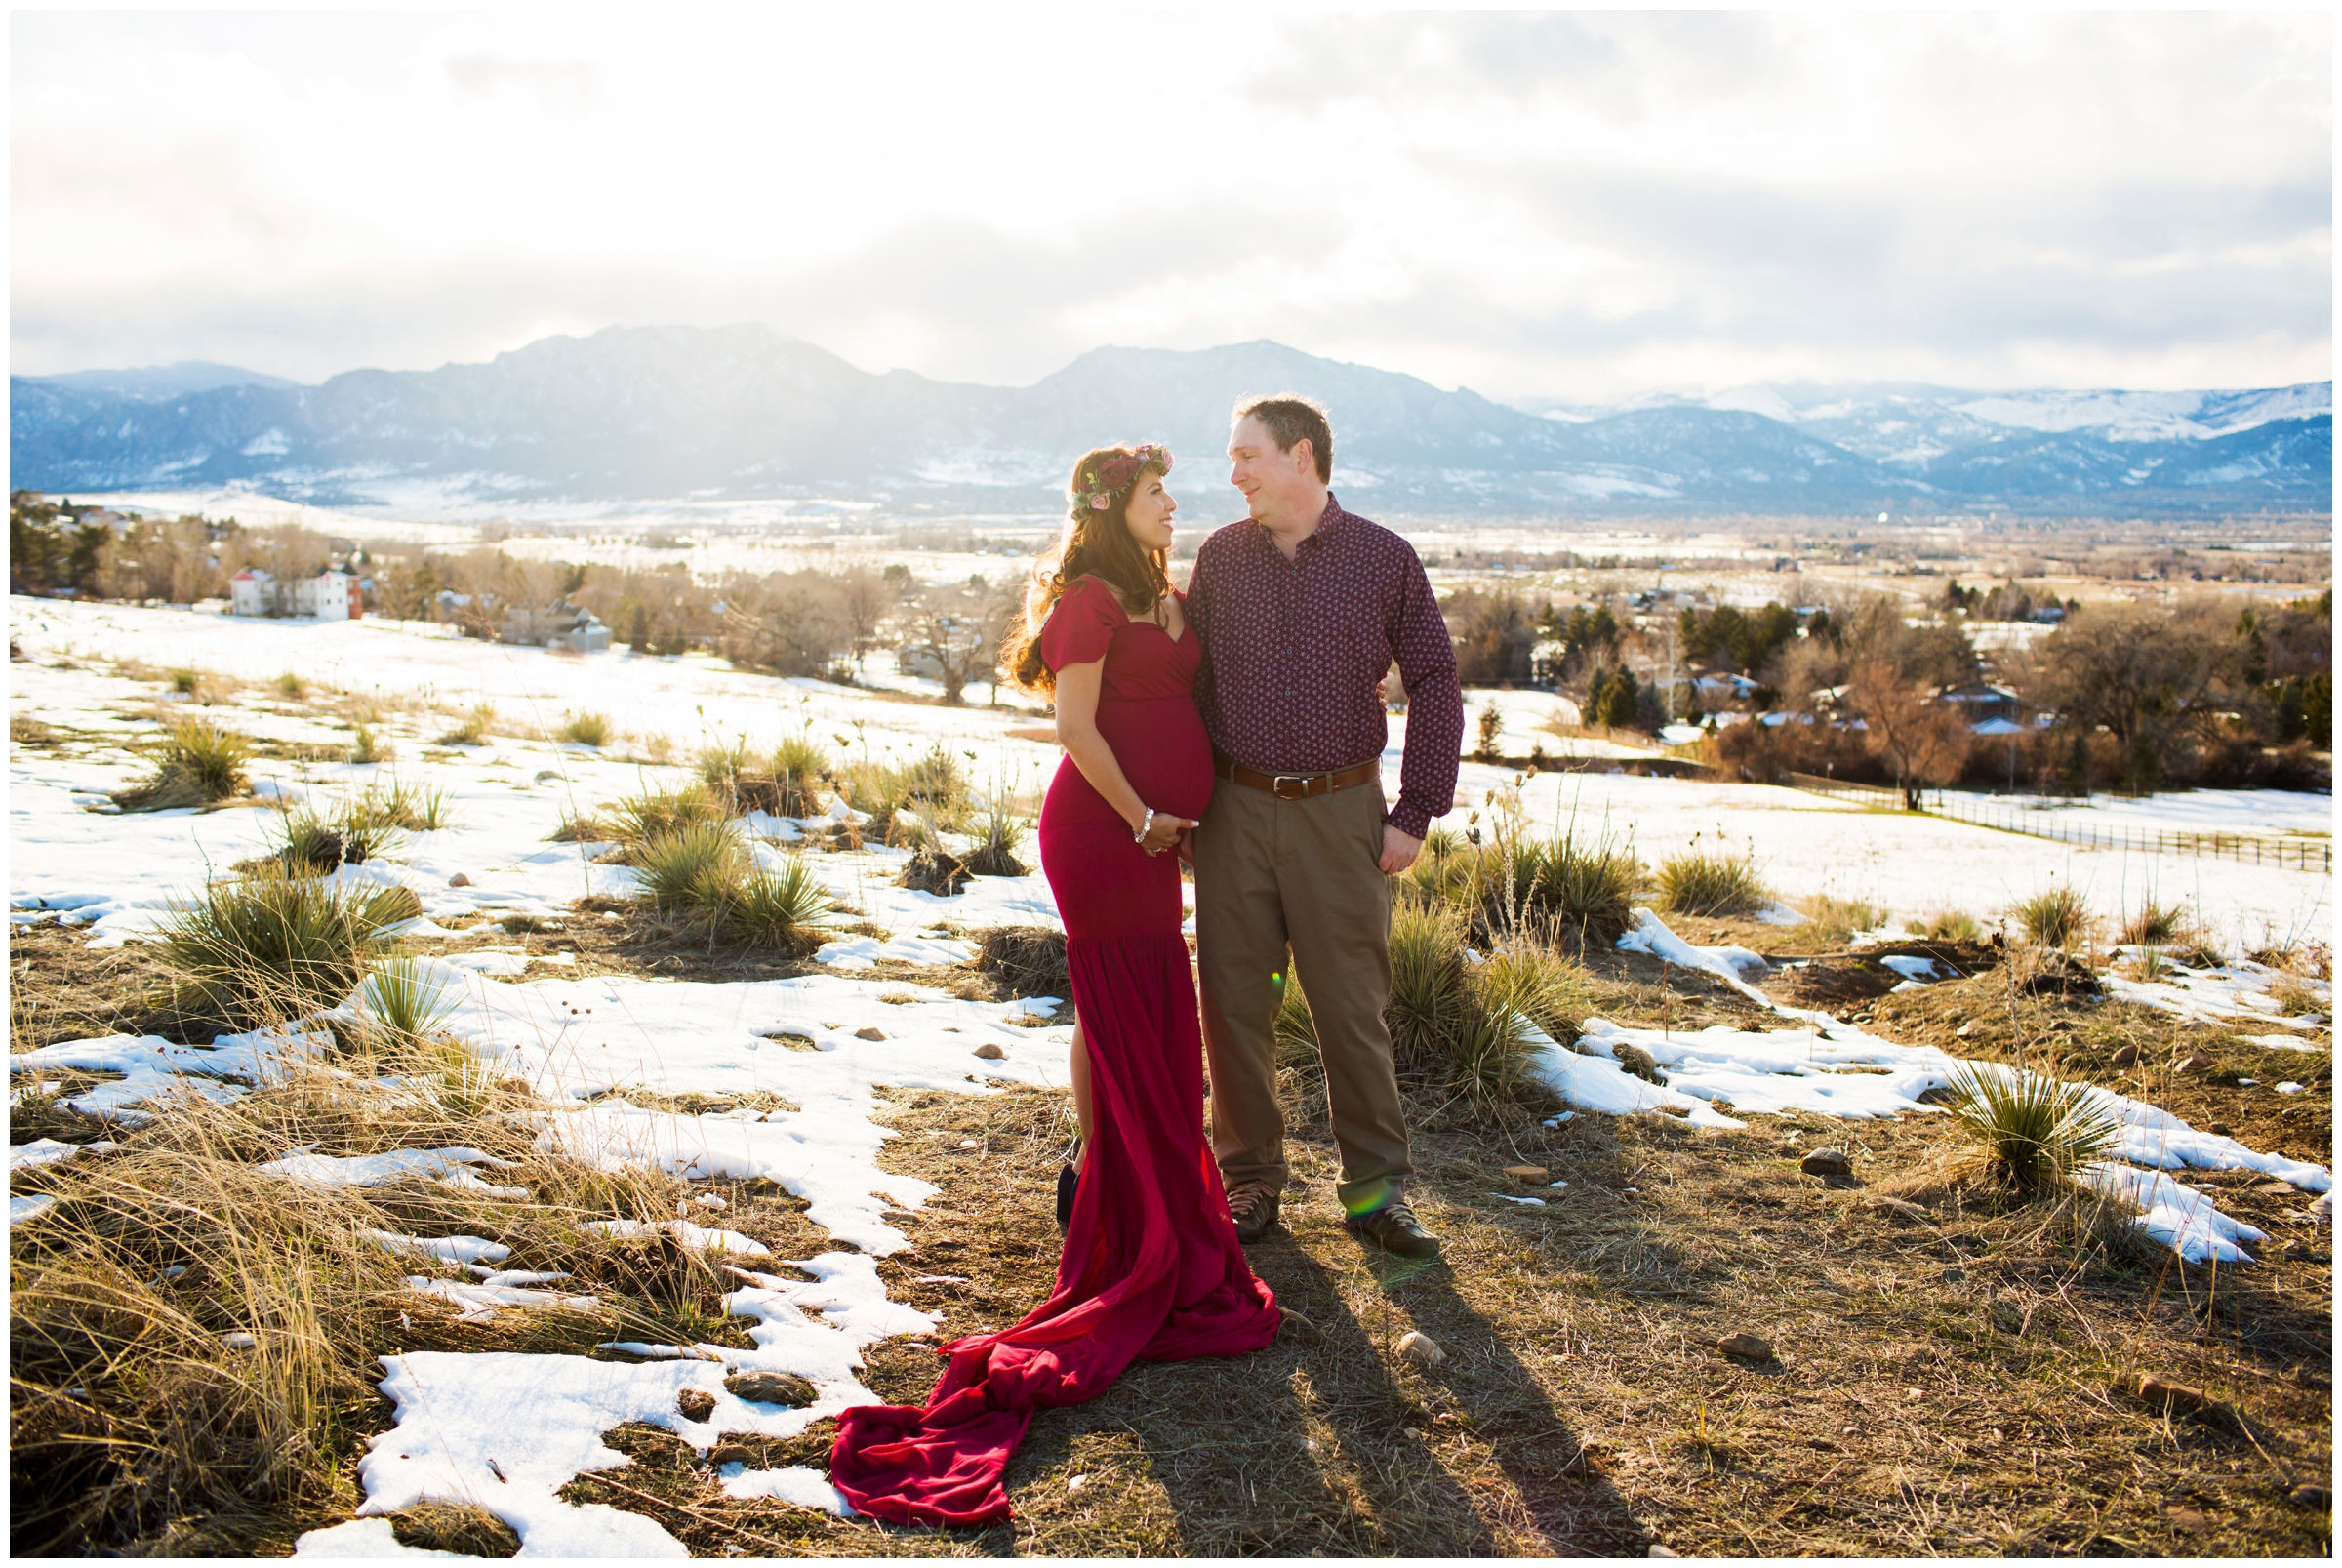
653, 413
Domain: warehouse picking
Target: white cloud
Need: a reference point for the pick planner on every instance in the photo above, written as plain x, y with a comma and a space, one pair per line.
1574, 204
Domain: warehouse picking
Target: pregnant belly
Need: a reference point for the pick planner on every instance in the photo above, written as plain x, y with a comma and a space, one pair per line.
1163, 751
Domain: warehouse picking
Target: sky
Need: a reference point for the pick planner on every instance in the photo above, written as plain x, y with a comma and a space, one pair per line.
1566, 206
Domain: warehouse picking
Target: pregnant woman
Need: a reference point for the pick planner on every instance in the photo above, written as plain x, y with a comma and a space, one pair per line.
1152, 1270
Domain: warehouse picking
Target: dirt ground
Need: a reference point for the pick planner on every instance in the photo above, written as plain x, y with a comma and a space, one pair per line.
1945, 1359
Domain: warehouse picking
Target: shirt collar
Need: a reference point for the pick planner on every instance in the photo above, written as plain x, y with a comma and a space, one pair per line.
1329, 524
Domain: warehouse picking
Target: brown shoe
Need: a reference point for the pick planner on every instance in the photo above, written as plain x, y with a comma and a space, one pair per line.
1253, 1206
1394, 1228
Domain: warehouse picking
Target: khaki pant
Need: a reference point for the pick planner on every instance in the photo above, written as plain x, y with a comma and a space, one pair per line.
1270, 875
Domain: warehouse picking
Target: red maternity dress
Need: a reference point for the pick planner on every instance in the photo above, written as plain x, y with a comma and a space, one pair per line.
1150, 1269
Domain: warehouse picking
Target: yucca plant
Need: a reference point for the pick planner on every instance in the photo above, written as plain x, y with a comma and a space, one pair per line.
414, 807
2033, 1130
587, 729
368, 827
1588, 884
405, 998
782, 909
696, 870
292, 685
366, 748
309, 845
1296, 1032
275, 946
2055, 917
934, 776
1716, 885
1452, 1020
649, 814
999, 829
798, 765
185, 681
199, 763
2156, 925
1535, 980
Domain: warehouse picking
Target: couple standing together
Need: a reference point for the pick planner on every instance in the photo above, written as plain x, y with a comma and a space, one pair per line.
1238, 726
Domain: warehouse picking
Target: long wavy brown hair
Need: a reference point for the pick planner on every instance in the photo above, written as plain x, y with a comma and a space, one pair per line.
1096, 543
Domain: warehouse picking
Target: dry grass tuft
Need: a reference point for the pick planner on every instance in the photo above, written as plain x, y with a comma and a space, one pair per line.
2056, 917
1699, 883
1835, 919
1026, 960
200, 764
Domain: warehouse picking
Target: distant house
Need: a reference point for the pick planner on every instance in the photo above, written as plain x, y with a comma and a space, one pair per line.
330, 595
560, 624
1981, 701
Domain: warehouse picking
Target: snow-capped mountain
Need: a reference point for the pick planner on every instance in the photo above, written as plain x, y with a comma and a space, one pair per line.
743, 410
1914, 428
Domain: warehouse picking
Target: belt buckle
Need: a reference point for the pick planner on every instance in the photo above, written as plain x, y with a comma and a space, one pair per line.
1299, 781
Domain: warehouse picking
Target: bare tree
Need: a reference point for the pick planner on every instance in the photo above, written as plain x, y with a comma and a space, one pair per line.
2140, 672
864, 599
1921, 740
956, 627
794, 622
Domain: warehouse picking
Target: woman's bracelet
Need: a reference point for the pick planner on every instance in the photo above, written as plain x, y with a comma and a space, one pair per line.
1138, 834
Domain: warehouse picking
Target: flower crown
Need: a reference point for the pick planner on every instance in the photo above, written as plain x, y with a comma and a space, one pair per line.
1118, 473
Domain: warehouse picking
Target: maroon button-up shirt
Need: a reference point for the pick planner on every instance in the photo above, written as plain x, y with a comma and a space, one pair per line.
1293, 652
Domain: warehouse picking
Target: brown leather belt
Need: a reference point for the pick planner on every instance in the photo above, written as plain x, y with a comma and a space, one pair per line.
1297, 786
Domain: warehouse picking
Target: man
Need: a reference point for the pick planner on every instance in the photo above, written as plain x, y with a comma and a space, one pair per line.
1302, 607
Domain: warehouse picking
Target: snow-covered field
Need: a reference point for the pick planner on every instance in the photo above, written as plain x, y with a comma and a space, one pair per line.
825, 1043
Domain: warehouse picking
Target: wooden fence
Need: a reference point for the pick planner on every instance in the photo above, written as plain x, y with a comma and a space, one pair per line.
1986, 811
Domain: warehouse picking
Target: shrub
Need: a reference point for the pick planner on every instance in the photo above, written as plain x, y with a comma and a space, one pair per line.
1696, 883
782, 910
185, 681
2156, 925
587, 729
201, 763
1836, 919
696, 870
473, 731
2033, 1130
273, 947
292, 685
2055, 917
